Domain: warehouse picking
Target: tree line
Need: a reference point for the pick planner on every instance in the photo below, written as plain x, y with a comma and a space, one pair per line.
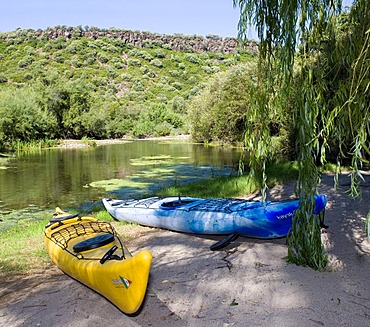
80, 87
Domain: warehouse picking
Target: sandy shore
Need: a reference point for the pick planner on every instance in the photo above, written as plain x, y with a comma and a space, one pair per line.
247, 283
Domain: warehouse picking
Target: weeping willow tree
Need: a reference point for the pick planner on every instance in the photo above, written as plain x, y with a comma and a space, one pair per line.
322, 76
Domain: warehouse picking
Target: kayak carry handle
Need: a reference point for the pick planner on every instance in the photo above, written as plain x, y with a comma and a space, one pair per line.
109, 253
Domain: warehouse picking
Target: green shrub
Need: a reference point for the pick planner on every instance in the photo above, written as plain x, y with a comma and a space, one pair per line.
163, 129
126, 77
192, 58
158, 43
102, 57
133, 52
178, 105
90, 59
74, 47
207, 69
159, 53
145, 55
230, 61
25, 61
166, 46
215, 69
177, 85
76, 62
148, 43
174, 73
59, 59
175, 58
134, 62
30, 50
219, 112
22, 117
112, 73
157, 63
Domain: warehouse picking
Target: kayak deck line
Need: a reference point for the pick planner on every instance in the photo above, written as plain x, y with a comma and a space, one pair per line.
213, 205
63, 236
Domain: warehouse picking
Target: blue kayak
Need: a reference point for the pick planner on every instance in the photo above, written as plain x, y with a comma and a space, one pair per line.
211, 216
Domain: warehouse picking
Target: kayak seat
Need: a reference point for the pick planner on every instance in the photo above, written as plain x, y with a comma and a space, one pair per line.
170, 205
94, 242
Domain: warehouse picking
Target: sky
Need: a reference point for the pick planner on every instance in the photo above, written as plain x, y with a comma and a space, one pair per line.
189, 17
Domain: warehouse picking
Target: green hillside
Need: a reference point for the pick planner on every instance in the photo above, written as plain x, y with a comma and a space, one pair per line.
78, 82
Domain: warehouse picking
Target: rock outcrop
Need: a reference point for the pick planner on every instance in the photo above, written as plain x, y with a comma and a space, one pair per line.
179, 42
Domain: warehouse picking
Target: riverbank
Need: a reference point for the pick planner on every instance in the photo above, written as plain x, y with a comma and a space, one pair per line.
86, 143
247, 283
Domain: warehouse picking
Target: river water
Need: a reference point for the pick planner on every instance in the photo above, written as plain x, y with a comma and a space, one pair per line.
37, 181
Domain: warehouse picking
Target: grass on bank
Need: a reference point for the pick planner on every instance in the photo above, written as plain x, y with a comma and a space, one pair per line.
22, 248
228, 187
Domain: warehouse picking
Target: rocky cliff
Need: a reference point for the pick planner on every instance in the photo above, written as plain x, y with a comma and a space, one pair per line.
179, 42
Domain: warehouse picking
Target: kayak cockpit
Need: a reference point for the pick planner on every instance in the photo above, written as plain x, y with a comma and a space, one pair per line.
174, 204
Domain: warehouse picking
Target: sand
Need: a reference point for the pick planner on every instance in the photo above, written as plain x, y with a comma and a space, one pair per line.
248, 283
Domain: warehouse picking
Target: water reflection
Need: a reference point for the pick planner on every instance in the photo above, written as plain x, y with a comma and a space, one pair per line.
70, 177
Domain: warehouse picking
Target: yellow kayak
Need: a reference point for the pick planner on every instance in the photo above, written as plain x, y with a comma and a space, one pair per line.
90, 251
